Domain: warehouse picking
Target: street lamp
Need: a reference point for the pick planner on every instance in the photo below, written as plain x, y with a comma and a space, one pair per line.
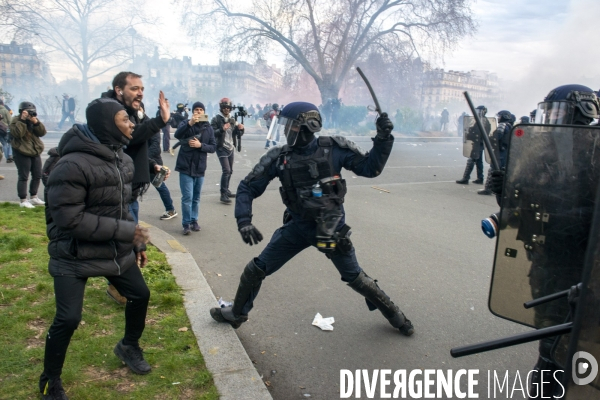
132, 32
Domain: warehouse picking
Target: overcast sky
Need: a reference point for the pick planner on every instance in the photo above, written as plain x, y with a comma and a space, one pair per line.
533, 45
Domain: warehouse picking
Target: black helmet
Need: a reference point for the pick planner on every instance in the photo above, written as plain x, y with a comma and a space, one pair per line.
29, 106
505, 116
569, 105
275, 106
482, 110
301, 121
532, 115
524, 120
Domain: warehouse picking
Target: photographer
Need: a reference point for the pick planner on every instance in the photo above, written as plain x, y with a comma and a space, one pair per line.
198, 140
26, 131
225, 128
179, 115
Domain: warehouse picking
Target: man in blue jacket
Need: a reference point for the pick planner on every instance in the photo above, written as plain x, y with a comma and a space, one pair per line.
313, 191
198, 139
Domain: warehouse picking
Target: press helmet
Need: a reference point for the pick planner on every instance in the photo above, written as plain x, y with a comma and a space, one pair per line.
29, 106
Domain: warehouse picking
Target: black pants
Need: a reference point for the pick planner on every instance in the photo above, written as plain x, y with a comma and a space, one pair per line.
68, 292
227, 168
26, 164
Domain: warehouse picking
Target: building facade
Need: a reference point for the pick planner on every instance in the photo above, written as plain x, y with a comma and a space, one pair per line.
445, 88
183, 81
19, 64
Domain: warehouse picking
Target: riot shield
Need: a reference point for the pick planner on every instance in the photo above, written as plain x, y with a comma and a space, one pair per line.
273, 129
582, 372
472, 142
547, 202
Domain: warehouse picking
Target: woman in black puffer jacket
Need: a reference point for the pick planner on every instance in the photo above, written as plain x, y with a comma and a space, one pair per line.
92, 234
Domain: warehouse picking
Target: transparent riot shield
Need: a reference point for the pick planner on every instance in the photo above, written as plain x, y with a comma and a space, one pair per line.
273, 129
547, 202
472, 141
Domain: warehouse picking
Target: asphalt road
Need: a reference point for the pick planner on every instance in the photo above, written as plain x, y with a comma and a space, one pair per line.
422, 241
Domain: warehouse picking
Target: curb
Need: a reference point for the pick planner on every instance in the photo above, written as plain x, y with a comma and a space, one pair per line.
233, 372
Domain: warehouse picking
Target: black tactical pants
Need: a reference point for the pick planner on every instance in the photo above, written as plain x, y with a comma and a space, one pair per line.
290, 240
69, 292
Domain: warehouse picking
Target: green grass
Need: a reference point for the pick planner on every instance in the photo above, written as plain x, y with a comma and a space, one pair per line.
91, 369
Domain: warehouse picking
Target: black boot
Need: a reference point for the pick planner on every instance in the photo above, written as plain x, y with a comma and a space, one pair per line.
367, 287
225, 199
467, 173
52, 389
250, 283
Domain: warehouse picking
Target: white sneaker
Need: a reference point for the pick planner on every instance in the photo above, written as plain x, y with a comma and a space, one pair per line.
36, 201
27, 204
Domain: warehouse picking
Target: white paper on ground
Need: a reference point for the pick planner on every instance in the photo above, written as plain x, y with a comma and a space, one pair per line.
323, 323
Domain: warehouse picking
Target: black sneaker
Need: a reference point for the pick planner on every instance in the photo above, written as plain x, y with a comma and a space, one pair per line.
224, 199
485, 192
478, 181
230, 195
194, 226
53, 390
186, 230
133, 356
463, 181
9, 160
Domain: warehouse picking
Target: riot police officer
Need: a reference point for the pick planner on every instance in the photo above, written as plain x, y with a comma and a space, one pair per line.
476, 156
313, 191
557, 262
499, 141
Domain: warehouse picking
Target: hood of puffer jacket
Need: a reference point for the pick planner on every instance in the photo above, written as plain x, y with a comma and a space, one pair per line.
80, 139
100, 115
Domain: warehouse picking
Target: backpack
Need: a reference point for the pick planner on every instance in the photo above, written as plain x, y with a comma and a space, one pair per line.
267, 116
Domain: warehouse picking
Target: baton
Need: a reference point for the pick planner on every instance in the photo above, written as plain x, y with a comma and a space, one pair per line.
377, 107
486, 139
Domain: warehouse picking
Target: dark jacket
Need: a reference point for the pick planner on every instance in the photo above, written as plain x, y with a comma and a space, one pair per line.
49, 165
88, 222
26, 137
154, 151
192, 161
70, 105
137, 149
217, 124
345, 154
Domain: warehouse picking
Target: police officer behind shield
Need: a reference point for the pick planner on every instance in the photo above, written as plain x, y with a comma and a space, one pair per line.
557, 264
500, 143
313, 191
476, 157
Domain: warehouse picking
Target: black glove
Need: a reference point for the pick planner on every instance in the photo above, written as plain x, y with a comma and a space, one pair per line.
496, 181
250, 234
384, 126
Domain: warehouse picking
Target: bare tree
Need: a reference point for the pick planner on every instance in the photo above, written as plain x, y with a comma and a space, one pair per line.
328, 37
95, 35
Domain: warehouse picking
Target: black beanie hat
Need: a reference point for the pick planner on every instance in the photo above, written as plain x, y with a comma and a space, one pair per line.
198, 105
100, 114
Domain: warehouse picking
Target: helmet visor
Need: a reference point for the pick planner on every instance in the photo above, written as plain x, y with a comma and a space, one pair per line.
291, 129
555, 113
